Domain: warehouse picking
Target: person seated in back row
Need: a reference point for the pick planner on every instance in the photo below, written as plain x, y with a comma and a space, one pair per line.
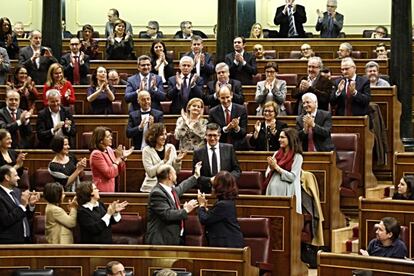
187, 31
203, 62
152, 32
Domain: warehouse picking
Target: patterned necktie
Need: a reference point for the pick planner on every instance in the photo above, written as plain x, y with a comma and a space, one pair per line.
76, 72
145, 81
177, 205
291, 32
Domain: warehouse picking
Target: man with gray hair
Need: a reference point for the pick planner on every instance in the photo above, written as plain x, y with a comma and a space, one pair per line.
54, 120
345, 50
353, 92
372, 72
187, 31
314, 126
165, 219
223, 78
329, 23
144, 80
315, 83
152, 32
184, 86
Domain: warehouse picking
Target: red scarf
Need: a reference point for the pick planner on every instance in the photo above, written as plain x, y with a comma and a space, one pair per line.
285, 160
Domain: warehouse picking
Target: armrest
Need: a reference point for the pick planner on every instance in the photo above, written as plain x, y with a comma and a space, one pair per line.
264, 266
352, 175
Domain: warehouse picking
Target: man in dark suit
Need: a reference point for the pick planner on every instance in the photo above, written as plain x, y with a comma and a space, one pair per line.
242, 64
152, 32
165, 219
223, 78
76, 63
15, 208
215, 157
320, 86
232, 118
54, 120
140, 120
203, 62
286, 14
36, 59
314, 126
329, 23
185, 86
353, 92
16, 121
144, 80
187, 31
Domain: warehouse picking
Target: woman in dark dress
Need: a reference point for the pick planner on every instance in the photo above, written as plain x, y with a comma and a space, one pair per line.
120, 44
89, 44
161, 64
64, 167
25, 86
405, 188
93, 218
266, 134
100, 93
8, 155
8, 39
221, 225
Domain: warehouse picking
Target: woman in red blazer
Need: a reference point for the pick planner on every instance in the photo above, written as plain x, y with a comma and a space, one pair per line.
56, 80
106, 163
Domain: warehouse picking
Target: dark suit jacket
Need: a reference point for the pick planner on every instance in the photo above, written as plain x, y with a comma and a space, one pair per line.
267, 137
243, 73
324, 25
68, 69
176, 95
179, 34
11, 219
321, 131
228, 162
134, 121
283, 20
143, 34
322, 87
131, 96
236, 88
164, 219
205, 71
25, 130
360, 102
216, 115
44, 125
222, 227
91, 226
38, 74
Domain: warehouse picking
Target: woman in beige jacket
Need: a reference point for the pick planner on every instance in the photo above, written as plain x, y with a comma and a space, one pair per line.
58, 223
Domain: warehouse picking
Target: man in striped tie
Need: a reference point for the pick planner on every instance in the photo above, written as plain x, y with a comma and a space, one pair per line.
291, 18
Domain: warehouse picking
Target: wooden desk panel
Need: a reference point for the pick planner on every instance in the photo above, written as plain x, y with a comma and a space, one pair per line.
404, 164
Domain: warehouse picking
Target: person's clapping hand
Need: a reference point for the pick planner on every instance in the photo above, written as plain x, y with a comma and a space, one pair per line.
190, 205
197, 169
119, 206
201, 198
178, 81
73, 204
34, 197
341, 85
181, 155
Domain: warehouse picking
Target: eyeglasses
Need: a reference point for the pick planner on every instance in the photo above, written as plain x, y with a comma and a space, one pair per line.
268, 111
330, 6
212, 135
305, 49
152, 28
270, 71
380, 50
379, 32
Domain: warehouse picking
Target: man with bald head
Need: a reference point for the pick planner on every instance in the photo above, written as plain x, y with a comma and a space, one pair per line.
16, 120
353, 92
140, 120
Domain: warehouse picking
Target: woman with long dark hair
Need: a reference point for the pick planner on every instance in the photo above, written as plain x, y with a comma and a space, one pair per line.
8, 39
101, 93
405, 189
161, 64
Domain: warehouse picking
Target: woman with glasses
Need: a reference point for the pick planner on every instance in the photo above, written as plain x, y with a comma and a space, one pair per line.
266, 133
271, 89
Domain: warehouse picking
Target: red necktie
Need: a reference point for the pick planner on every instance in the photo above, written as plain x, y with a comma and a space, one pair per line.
13, 115
228, 116
177, 204
17, 137
76, 73
311, 144
348, 100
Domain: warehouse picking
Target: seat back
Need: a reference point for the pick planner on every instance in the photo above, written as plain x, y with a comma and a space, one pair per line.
367, 33
256, 234
38, 234
269, 54
194, 232
171, 140
102, 272
129, 230
117, 107
42, 177
291, 79
178, 272
33, 272
85, 140
250, 183
166, 107
349, 158
356, 54
183, 175
295, 55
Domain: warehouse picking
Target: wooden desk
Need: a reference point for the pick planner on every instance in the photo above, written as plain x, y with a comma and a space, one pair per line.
82, 260
286, 224
404, 164
343, 264
371, 211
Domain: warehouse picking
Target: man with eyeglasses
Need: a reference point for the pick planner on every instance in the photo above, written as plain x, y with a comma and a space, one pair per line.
144, 80
306, 51
315, 83
152, 32
329, 23
223, 78
241, 63
187, 31
372, 72
76, 63
353, 92
215, 156
115, 268
203, 62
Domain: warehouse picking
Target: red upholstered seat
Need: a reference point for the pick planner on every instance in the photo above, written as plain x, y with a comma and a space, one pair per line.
194, 232
117, 107
256, 233
85, 140
171, 140
183, 175
291, 79
166, 107
130, 230
250, 183
42, 177
269, 54
295, 55
38, 234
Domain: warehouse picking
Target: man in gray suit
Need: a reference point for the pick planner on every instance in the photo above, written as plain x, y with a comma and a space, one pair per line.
166, 217
4, 65
215, 157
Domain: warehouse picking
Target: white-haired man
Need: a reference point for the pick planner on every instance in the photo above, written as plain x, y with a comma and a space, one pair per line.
372, 72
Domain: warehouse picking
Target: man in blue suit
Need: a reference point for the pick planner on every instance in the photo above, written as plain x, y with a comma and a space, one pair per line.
144, 80
140, 120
